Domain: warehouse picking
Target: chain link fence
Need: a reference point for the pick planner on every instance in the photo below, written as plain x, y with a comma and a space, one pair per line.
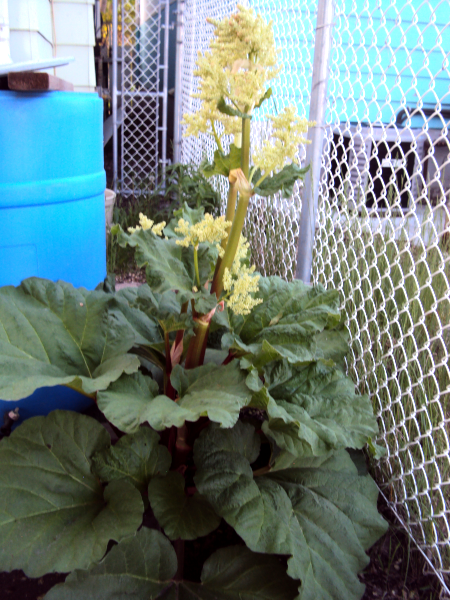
383, 227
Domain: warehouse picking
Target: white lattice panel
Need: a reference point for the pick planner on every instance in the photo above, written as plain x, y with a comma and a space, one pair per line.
140, 93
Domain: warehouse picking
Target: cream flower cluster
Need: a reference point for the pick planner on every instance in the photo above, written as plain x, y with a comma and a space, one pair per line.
210, 230
244, 35
208, 117
239, 282
241, 60
288, 131
146, 223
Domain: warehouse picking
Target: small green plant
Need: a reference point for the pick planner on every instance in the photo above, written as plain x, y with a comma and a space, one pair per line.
232, 447
179, 184
186, 184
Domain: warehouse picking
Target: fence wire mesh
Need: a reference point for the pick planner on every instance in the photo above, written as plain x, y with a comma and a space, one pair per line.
383, 228
139, 85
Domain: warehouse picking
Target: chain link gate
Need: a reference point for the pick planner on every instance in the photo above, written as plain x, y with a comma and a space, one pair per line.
382, 235
140, 92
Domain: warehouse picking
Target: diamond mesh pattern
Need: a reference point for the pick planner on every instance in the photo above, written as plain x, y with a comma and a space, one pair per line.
382, 240
383, 230
141, 45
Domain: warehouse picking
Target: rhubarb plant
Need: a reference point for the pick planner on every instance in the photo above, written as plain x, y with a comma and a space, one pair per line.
225, 459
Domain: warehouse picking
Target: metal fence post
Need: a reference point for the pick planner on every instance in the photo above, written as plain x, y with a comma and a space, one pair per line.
178, 84
165, 68
319, 86
114, 90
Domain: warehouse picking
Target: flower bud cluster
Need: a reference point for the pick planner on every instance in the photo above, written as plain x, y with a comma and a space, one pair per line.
241, 60
145, 223
288, 131
239, 282
210, 229
203, 120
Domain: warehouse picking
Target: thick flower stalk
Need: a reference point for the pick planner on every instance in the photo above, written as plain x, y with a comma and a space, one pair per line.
240, 183
234, 77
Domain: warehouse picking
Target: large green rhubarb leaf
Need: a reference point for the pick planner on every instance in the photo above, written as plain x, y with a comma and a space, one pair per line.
218, 392
54, 513
181, 516
151, 314
313, 426
152, 304
287, 323
135, 305
125, 401
323, 514
53, 334
137, 458
143, 568
313, 410
168, 266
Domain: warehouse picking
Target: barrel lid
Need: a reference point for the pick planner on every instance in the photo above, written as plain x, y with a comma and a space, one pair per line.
35, 65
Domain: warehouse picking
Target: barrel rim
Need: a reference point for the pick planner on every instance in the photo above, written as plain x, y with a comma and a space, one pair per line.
52, 191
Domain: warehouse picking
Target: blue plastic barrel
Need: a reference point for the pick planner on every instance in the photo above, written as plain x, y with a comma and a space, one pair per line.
52, 182
52, 207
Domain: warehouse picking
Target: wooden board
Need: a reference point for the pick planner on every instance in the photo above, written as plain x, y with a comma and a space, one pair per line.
29, 81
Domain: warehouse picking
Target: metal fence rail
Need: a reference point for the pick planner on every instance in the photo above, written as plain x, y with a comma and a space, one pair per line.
383, 227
